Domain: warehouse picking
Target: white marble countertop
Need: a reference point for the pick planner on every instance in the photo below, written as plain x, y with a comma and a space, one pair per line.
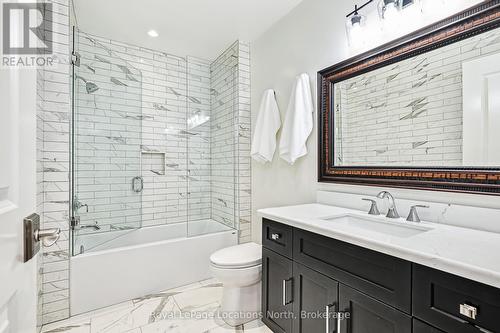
464, 252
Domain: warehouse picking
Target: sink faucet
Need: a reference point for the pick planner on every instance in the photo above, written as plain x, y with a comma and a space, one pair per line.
392, 213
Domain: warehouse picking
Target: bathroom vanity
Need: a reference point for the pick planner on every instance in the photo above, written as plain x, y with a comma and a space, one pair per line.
409, 114
381, 276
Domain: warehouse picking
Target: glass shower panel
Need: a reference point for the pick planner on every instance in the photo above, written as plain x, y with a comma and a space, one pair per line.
212, 106
106, 138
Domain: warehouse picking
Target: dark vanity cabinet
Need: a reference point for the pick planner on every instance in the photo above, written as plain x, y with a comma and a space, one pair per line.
277, 293
312, 283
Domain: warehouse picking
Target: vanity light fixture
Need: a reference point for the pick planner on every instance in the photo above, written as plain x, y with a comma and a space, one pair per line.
388, 9
355, 23
406, 3
153, 33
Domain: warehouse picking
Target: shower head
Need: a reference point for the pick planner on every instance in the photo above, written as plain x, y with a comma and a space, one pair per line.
91, 87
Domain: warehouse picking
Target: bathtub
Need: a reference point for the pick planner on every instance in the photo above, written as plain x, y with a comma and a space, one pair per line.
145, 261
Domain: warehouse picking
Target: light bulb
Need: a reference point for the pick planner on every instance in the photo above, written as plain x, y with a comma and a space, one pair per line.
388, 9
356, 32
354, 27
391, 11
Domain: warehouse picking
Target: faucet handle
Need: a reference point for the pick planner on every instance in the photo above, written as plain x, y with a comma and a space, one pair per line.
373, 209
413, 216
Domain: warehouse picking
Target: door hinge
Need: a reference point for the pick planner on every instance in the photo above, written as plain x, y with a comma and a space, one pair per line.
75, 221
75, 59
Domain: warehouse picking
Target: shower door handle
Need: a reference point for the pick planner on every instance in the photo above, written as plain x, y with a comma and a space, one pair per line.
137, 184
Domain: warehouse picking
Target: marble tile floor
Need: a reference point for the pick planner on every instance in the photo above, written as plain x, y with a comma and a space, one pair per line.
188, 309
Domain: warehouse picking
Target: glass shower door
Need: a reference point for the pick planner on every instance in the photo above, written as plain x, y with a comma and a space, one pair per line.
212, 145
106, 145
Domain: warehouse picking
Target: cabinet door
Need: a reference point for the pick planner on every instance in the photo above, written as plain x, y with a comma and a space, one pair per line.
277, 291
367, 315
316, 301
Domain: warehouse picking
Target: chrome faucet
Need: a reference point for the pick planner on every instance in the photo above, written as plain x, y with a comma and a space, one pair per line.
392, 213
77, 204
413, 216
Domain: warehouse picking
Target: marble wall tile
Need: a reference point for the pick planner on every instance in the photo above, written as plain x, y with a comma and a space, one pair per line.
53, 109
409, 113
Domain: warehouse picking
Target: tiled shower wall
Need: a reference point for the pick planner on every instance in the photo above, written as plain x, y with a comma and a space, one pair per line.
107, 140
223, 117
230, 89
53, 114
243, 128
175, 91
409, 113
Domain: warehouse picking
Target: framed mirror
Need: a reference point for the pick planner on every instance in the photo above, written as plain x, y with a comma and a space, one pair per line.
421, 112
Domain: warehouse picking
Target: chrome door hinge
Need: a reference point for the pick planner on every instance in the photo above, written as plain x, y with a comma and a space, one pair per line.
75, 221
75, 59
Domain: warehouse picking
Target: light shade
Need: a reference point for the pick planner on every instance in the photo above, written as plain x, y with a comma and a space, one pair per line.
354, 27
388, 9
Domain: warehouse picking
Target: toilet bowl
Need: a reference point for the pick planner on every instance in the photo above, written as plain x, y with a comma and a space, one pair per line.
239, 269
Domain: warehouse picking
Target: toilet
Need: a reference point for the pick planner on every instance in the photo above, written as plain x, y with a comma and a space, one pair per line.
239, 269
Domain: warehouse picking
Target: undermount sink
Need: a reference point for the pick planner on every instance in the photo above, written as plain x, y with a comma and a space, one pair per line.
386, 227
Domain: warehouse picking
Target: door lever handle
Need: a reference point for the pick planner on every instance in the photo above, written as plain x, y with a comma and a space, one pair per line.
48, 237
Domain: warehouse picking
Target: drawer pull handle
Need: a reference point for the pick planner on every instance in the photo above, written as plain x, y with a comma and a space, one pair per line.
468, 311
275, 236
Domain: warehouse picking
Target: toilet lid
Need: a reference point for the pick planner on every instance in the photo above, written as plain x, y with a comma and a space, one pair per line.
239, 256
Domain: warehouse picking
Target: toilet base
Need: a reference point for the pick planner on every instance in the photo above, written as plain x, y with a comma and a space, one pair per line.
241, 305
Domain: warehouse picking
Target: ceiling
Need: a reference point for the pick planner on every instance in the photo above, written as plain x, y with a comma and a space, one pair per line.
202, 28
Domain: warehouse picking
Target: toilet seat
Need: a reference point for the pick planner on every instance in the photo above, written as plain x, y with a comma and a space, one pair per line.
238, 257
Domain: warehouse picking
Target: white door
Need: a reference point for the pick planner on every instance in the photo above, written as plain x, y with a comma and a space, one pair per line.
481, 79
18, 299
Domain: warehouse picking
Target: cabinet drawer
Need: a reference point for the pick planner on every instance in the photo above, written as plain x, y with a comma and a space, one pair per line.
439, 298
383, 277
421, 327
277, 237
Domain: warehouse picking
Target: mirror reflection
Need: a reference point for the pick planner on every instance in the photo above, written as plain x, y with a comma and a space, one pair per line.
441, 108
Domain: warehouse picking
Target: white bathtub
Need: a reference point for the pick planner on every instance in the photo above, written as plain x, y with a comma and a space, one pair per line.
145, 261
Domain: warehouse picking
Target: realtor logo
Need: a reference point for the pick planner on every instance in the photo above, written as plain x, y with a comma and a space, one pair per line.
25, 26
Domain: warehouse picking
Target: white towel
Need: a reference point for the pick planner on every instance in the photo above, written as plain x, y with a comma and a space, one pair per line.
298, 123
268, 124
